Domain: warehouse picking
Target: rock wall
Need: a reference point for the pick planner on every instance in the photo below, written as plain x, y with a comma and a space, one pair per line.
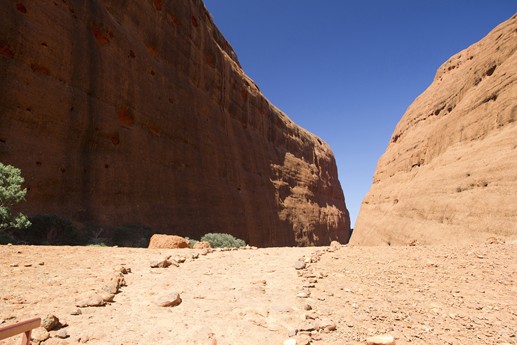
139, 112
450, 171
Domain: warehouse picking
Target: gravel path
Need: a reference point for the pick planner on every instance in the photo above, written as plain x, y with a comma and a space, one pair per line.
419, 295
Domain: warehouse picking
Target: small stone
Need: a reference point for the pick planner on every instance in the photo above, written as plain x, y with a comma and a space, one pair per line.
205, 251
290, 341
299, 264
326, 325
334, 245
50, 322
90, 301
202, 245
180, 259
303, 340
303, 294
40, 334
315, 336
27, 265
76, 312
106, 296
195, 256
160, 263
124, 270
62, 334
170, 300
307, 307
381, 340
13, 265
307, 327
114, 285
41, 263
83, 339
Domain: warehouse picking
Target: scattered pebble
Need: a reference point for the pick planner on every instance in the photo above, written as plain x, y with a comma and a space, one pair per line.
170, 300
62, 334
299, 264
40, 334
50, 322
303, 294
381, 340
90, 301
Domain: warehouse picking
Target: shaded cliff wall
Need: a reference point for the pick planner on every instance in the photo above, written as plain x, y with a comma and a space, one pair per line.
138, 112
449, 173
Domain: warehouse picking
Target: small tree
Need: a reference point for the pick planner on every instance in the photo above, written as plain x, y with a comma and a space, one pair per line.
11, 193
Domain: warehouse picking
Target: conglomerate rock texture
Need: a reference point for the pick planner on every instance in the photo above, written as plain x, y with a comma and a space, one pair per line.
449, 173
139, 112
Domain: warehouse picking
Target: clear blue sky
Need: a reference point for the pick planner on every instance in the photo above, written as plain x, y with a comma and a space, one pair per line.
347, 70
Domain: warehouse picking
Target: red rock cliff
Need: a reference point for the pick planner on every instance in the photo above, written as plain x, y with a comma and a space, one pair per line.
139, 112
449, 173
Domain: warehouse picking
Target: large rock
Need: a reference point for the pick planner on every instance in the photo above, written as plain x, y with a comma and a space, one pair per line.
450, 171
168, 242
139, 113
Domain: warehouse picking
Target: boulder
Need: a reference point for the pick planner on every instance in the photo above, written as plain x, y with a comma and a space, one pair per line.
168, 242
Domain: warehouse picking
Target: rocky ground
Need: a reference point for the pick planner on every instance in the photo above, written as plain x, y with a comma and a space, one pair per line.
327, 295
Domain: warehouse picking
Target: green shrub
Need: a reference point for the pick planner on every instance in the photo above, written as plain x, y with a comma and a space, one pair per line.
11, 193
102, 244
219, 240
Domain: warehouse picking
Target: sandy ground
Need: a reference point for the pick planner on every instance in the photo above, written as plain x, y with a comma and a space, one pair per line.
419, 295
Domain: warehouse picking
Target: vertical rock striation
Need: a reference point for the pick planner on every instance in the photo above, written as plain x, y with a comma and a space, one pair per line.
450, 171
139, 112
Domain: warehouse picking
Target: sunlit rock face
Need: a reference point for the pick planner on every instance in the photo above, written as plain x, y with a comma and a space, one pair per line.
449, 173
139, 113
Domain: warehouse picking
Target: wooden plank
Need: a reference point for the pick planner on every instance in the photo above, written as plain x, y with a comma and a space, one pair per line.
20, 327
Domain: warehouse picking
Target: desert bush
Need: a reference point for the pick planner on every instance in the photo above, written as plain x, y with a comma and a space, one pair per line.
52, 230
11, 193
95, 236
219, 240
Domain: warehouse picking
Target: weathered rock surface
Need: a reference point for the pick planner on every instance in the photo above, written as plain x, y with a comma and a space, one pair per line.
450, 170
202, 245
168, 242
139, 113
